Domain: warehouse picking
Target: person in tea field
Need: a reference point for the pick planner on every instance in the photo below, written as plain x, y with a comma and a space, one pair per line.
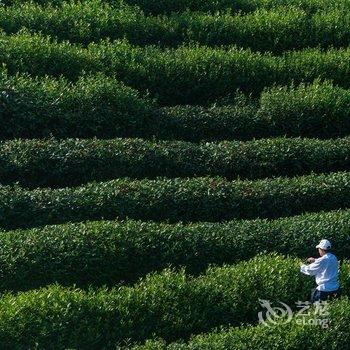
326, 270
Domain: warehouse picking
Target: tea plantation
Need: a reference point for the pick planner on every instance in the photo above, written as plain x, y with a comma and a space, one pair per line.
165, 166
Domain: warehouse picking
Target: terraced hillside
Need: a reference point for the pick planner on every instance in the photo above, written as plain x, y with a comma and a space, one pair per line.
165, 165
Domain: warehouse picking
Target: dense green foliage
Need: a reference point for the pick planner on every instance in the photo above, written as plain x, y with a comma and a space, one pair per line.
274, 30
83, 22
97, 105
197, 199
246, 6
72, 162
97, 253
170, 305
212, 132
188, 74
283, 336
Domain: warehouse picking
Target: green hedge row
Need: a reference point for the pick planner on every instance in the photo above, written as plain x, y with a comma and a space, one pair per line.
198, 75
170, 305
197, 199
83, 22
283, 336
97, 105
195, 75
319, 109
72, 162
97, 253
169, 6
315, 110
275, 30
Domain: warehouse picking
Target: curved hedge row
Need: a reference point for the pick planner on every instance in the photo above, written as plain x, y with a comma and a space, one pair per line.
38, 55
97, 253
288, 336
196, 75
97, 105
197, 199
315, 110
169, 6
200, 74
170, 305
275, 30
72, 162
83, 22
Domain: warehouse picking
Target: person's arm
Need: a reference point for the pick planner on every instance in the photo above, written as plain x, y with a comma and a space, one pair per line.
311, 269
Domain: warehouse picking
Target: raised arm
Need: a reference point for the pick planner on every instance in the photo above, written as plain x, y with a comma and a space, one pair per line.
311, 269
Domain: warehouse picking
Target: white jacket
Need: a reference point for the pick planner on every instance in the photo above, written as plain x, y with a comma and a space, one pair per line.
326, 270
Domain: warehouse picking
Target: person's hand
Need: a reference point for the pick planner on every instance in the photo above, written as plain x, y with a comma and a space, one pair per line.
310, 260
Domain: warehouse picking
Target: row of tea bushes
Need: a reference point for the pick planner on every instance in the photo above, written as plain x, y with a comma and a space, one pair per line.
98, 253
171, 305
101, 106
275, 30
197, 74
319, 109
188, 74
245, 6
330, 331
83, 22
95, 106
166, 7
72, 162
194, 199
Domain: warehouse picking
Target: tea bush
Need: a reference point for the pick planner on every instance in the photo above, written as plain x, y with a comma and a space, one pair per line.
96, 105
276, 30
195, 199
71, 162
170, 305
98, 253
283, 336
188, 74
101, 106
246, 6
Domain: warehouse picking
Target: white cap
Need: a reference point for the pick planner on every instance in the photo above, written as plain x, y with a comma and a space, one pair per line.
324, 244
